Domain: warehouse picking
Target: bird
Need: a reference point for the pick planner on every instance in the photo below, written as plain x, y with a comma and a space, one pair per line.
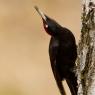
62, 53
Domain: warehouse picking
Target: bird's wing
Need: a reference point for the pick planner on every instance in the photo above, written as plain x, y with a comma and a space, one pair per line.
53, 51
72, 83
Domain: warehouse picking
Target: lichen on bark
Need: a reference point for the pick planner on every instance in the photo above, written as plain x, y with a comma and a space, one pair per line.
86, 51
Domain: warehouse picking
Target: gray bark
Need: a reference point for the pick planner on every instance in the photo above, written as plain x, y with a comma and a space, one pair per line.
86, 50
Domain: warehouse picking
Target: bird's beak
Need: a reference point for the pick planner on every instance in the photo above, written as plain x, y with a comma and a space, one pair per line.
40, 13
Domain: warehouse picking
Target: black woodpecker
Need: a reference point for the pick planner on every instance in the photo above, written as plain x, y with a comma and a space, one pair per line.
62, 52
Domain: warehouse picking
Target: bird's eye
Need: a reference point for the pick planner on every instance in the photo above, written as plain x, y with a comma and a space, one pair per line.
46, 26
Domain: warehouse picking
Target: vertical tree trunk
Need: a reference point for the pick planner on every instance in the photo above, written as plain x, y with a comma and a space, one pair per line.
86, 50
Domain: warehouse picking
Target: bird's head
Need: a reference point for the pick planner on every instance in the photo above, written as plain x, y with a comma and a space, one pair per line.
50, 25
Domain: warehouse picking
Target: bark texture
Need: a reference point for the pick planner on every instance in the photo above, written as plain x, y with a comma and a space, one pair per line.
86, 50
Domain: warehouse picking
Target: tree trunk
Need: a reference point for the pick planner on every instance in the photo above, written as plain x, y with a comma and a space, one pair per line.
86, 50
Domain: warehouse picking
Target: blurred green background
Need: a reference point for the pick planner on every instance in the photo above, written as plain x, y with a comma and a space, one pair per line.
24, 61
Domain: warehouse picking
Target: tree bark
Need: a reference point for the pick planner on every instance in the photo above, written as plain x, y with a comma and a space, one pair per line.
86, 50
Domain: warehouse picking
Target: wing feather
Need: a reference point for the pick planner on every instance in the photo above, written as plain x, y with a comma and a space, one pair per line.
53, 51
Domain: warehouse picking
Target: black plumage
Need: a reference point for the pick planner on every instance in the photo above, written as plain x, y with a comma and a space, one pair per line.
62, 52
